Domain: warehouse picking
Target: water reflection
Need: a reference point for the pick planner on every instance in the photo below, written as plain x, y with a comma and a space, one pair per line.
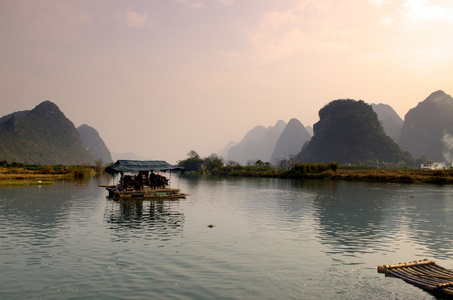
147, 219
35, 221
37, 206
349, 217
429, 214
362, 217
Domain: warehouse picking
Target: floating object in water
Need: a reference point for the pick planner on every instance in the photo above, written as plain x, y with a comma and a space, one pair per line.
144, 185
425, 274
211, 225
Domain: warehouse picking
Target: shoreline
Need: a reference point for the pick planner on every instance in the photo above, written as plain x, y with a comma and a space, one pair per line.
414, 176
391, 176
10, 180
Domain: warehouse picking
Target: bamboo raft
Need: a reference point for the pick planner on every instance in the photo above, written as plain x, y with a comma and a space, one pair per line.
425, 274
146, 193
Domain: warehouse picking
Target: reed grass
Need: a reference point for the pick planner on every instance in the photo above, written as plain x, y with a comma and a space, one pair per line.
8, 182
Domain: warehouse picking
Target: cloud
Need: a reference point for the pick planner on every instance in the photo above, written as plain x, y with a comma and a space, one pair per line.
136, 20
386, 21
191, 3
49, 20
307, 27
226, 2
379, 2
275, 19
270, 48
418, 11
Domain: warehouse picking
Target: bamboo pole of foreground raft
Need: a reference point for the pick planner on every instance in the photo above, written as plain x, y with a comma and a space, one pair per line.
384, 268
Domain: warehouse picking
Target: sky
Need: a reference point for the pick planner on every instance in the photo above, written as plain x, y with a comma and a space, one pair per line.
160, 78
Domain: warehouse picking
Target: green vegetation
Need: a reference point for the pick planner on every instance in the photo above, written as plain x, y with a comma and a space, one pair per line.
196, 165
310, 170
259, 169
41, 136
19, 174
349, 132
25, 182
214, 165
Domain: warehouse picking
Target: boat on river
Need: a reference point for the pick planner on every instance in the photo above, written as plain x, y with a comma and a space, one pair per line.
425, 274
143, 180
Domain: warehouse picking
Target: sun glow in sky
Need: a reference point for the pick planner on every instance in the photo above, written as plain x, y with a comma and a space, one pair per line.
162, 77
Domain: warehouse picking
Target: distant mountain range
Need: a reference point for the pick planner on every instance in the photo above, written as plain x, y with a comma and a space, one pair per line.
428, 128
349, 132
44, 135
426, 133
92, 141
257, 144
269, 144
390, 120
290, 142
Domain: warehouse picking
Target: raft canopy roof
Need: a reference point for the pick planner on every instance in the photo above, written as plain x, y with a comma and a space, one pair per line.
140, 165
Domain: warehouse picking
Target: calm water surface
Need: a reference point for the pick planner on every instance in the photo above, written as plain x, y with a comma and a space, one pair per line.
273, 239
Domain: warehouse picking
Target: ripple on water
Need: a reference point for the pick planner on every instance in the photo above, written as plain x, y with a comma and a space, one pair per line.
273, 239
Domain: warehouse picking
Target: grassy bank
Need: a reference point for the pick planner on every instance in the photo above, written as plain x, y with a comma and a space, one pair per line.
333, 171
397, 175
42, 175
26, 182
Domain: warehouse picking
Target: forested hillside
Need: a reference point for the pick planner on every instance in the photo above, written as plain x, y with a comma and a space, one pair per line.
41, 136
349, 132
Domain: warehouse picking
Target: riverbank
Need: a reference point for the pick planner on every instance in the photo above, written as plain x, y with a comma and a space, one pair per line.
402, 176
334, 172
28, 179
42, 175
22, 177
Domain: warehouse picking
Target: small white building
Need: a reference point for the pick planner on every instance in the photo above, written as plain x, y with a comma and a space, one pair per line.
437, 165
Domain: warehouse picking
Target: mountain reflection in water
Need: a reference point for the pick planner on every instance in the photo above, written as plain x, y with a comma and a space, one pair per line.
358, 217
273, 239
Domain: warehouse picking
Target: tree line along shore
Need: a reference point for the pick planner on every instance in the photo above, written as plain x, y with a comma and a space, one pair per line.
288, 168
334, 172
17, 174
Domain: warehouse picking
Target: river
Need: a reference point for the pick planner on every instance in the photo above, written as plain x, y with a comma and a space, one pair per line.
270, 239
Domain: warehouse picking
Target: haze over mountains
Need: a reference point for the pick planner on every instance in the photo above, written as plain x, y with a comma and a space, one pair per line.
390, 120
348, 131
290, 142
426, 131
428, 128
257, 144
92, 142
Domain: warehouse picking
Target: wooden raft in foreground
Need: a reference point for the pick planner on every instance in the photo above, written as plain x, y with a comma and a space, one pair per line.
425, 274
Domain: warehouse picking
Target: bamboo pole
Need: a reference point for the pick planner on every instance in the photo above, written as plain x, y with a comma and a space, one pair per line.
381, 269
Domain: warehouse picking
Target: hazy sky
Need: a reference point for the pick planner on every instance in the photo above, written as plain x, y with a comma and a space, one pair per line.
162, 77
